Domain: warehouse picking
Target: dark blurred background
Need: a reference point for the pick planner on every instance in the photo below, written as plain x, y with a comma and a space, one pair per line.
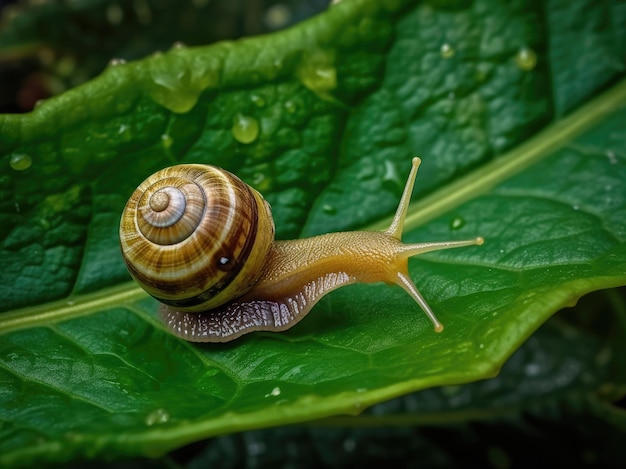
47, 47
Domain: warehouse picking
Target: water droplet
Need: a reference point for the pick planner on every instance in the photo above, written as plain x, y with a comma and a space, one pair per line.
114, 14
576, 207
457, 223
366, 171
317, 72
176, 82
166, 140
157, 416
277, 16
245, 129
610, 154
391, 175
20, 161
178, 45
116, 62
526, 59
258, 178
274, 392
447, 51
257, 100
290, 107
70, 302
123, 129
481, 346
329, 209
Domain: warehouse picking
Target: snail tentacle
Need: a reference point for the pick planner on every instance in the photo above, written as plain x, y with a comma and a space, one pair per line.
201, 241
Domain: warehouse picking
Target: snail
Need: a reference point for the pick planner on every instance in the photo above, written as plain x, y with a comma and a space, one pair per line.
201, 241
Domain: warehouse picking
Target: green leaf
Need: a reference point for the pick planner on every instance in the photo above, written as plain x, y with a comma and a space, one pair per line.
341, 102
560, 375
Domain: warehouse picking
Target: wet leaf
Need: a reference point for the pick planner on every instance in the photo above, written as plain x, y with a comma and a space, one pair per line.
322, 119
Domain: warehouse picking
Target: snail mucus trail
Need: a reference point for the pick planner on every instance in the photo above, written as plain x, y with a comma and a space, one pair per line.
201, 241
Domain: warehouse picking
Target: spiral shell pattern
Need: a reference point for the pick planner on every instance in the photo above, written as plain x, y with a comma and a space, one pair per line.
195, 236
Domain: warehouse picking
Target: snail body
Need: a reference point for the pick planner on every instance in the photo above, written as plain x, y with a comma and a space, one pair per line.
220, 274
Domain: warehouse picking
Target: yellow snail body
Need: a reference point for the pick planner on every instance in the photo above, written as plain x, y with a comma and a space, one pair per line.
201, 241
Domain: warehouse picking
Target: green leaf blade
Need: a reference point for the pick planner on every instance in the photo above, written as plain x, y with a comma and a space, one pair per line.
96, 374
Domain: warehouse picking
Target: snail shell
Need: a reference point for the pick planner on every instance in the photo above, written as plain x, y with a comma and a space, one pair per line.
195, 236
201, 241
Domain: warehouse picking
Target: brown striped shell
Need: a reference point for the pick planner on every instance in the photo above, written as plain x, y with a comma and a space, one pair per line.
196, 236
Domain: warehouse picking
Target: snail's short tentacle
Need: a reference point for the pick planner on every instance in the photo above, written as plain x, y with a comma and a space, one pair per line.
397, 224
202, 242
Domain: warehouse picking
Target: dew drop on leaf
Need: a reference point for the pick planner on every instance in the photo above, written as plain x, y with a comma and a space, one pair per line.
290, 107
329, 209
157, 416
274, 392
245, 129
116, 62
610, 154
526, 59
457, 223
366, 171
317, 72
261, 181
176, 83
257, 100
166, 140
20, 161
447, 51
391, 176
